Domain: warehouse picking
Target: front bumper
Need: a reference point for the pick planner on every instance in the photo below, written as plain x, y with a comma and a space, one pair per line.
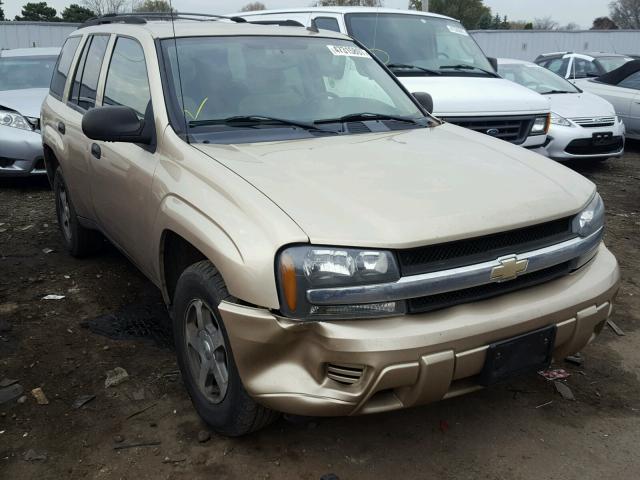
566, 143
20, 152
308, 368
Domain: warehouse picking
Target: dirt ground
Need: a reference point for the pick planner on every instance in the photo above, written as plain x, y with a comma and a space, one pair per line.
519, 430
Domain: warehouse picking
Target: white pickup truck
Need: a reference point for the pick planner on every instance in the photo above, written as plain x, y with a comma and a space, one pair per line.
434, 54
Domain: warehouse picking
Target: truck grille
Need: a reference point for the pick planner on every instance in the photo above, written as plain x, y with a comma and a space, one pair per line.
432, 258
589, 122
514, 129
448, 299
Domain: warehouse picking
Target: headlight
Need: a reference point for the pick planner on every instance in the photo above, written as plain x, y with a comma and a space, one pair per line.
540, 125
302, 268
559, 120
591, 219
14, 119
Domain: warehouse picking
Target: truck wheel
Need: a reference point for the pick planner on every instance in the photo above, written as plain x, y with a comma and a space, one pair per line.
205, 358
78, 240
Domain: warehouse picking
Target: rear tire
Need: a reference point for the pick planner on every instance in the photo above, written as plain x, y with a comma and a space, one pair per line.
78, 240
205, 358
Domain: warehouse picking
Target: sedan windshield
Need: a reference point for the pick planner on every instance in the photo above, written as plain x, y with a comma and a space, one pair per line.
18, 73
536, 78
295, 85
422, 41
611, 63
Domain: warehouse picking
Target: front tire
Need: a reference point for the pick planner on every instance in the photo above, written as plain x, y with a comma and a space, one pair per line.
205, 358
78, 240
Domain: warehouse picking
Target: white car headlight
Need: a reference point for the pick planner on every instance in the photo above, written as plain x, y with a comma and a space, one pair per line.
591, 219
560, 120
14, 119
305, 267
540, 125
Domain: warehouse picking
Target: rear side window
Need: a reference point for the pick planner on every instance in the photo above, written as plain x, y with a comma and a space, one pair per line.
327, 23
632, 81
127, 82
85, 82
59, 78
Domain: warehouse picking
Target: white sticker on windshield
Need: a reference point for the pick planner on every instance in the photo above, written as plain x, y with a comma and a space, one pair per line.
458, 30
345, 51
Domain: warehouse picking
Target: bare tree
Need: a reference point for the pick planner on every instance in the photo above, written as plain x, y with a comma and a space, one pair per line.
625, 13
347, 3
604, 23
570, 26
545, 23
102, 7
253, 6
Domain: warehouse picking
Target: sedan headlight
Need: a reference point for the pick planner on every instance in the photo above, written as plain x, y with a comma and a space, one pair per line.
591, 219
9, 118
302, 268
540, 125
560, 120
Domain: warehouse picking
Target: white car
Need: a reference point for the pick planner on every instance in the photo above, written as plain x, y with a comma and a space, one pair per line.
583, 125
433, 54
572, 65
621, 87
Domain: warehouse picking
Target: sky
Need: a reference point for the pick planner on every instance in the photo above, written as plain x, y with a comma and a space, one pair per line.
581, 12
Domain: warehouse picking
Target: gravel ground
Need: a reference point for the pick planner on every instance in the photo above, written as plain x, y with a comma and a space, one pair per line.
519, 430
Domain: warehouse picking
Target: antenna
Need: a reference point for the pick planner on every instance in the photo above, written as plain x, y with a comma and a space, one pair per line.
175, 46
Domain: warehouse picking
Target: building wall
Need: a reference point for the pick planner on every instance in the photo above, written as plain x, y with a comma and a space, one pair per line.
528, 44
34, 34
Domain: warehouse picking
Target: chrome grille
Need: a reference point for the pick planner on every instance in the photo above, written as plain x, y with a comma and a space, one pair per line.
594, 122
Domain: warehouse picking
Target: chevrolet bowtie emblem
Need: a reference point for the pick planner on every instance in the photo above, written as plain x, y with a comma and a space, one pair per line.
509, 268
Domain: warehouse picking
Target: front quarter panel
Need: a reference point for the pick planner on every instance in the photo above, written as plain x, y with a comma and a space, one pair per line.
234, 225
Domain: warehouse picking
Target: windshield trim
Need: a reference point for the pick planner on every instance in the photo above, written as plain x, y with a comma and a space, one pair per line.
177, 120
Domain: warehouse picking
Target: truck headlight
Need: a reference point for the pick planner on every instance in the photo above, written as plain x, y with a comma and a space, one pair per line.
591, 219
560, 120
304, 267
9, 118
540, 125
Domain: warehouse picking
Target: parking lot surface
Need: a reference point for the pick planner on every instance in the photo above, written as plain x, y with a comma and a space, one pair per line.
522, 429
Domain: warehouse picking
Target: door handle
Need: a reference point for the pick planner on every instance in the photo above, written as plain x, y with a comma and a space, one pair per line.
95, 150
61, 128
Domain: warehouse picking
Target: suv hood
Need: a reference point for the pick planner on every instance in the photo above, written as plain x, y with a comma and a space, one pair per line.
577, 105
26, 102
481, 96
407, 188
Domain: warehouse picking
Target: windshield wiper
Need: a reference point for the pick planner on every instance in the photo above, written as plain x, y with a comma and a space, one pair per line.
469, 67
363, 116
550, 92
251, 120
407, 66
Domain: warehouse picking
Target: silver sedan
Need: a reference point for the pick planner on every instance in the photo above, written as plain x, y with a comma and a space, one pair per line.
583, 125
25, 75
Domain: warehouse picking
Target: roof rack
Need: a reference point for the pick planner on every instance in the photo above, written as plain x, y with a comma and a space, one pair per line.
140, 18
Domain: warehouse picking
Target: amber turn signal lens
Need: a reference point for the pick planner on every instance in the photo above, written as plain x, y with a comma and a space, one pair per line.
288, 279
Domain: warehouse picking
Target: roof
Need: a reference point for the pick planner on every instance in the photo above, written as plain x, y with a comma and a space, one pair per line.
189, 28
31, 52
616, 76
342, 10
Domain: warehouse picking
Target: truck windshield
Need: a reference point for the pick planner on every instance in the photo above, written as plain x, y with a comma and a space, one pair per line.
422, 41
295, 85
17, 73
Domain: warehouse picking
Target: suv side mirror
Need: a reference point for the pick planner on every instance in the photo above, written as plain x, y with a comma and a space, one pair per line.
425, 100
115, 124
494, 62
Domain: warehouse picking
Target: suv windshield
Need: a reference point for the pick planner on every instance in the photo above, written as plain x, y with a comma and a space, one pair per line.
536, 78
270, 87
427, 42
17, 73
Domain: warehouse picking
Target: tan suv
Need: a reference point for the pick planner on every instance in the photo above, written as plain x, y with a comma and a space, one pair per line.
324, 245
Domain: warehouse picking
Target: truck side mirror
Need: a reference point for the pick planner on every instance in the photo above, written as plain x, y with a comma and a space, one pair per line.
425, 100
